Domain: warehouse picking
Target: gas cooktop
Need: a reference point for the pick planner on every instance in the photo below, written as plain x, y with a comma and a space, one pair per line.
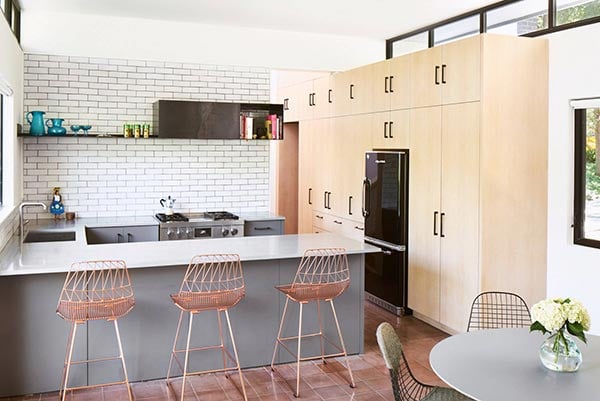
180, 217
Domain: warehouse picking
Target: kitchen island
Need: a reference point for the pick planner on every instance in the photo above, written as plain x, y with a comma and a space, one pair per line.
33, 338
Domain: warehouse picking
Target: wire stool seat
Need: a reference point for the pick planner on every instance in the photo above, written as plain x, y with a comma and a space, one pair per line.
498, 309
322, 275
94, 290
211, 282
405, 385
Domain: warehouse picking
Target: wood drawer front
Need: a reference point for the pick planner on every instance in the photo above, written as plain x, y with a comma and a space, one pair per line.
263, 227
335, 224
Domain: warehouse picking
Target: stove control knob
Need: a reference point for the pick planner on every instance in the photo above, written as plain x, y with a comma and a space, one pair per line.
234, 231
189, 233
170, 234
179, 232
225, 232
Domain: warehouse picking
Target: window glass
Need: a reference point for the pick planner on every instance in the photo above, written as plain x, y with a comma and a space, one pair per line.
568, 11
587, 176
411, 44
518, 18
3, 4
456, 30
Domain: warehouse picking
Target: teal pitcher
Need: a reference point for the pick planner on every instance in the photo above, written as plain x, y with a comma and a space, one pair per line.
55, 126
36, 122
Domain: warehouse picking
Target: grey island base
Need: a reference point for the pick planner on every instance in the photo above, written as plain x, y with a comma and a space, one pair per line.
33, 338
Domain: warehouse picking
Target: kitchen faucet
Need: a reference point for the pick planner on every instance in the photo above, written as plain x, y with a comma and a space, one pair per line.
23, 222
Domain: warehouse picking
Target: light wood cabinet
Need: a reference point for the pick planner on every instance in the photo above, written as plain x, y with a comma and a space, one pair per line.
323, 97
289, 96
390, 130
446, 74
353, 92
477, 172
306, 174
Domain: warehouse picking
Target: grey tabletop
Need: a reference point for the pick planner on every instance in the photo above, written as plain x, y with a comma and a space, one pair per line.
504, 364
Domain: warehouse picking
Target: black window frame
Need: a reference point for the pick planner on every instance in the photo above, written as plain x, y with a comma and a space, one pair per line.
579, 198
482, 12
13, 19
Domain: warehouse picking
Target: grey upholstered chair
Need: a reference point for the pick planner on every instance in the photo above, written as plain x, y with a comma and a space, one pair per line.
498, 309
405, 386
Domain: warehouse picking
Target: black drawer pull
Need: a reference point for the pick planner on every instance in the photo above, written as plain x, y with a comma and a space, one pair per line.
337, 222
318, 217
262, 228
359, 228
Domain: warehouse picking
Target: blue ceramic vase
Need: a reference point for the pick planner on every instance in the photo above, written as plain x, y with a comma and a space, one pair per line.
36, 122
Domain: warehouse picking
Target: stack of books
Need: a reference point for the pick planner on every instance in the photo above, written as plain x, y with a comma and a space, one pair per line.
255, 125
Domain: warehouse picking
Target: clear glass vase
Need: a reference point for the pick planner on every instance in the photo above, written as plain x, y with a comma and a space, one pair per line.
560, 353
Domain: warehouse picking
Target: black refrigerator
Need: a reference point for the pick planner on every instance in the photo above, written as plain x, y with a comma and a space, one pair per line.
385, 209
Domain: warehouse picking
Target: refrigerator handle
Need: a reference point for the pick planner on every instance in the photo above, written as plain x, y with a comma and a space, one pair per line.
435, 214
365, 197
386, 252
442, 224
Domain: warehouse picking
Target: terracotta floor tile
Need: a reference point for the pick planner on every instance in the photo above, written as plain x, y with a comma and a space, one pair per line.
319, 382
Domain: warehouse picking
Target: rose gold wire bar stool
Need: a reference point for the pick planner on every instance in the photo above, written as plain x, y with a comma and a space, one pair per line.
211, 282
322, 276
94, 290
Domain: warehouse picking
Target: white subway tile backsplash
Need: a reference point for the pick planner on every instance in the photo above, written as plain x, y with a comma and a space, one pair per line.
94, 173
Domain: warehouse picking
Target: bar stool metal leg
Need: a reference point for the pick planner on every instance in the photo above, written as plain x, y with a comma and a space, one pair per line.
187, 352
337, 325
297, 393
222, 342
279, 333
123, 360
237, 360
321, 332
67, 367
174, 347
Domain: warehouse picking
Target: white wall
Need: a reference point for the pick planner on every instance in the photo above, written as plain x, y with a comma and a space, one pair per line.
573, 270
102, 36
11, 71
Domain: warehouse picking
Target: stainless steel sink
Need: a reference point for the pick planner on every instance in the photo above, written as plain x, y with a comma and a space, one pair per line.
49, 236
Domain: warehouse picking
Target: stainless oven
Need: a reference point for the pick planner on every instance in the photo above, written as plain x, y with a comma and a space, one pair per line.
199, 226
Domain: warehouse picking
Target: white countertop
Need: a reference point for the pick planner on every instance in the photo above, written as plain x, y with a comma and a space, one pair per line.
260, 216
57, 257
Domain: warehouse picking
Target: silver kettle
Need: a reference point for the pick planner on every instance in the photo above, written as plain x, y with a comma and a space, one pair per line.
168, 204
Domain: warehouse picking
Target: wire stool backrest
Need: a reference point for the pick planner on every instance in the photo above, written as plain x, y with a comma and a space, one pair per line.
323, 266
213, 273
404, 384
497, 309
93, 283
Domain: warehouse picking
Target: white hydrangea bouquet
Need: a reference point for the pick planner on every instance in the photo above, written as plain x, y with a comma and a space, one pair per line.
554, 316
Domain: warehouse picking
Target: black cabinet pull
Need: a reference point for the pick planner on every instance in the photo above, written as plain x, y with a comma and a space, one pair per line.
390, 130
350, 205
337, 222
442, 224
385, 125
262, 228
309, 196
119, 237
359, 228
318, 217
329, 200
313, 99
129, 237
351, 91
285, 104
329, 96
386, 84
437, 69
435, 233
391, 81
443, 73
310, 99
325, 199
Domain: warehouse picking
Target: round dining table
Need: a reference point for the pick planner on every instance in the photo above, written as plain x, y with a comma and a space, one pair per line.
504, 364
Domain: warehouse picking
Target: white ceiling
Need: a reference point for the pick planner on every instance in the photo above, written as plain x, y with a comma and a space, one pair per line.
376, 19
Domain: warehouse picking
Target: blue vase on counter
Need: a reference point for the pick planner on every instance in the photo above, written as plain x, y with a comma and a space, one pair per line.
55, 126
36, 122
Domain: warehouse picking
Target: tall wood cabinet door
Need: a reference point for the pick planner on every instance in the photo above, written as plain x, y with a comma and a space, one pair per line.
306, 171
356, 141
461, 68
459, 282
424, 208
399, 82
323, 97
323, 153
399, 130
305, 101
378, 82
426, 77
289, 96
341, 82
